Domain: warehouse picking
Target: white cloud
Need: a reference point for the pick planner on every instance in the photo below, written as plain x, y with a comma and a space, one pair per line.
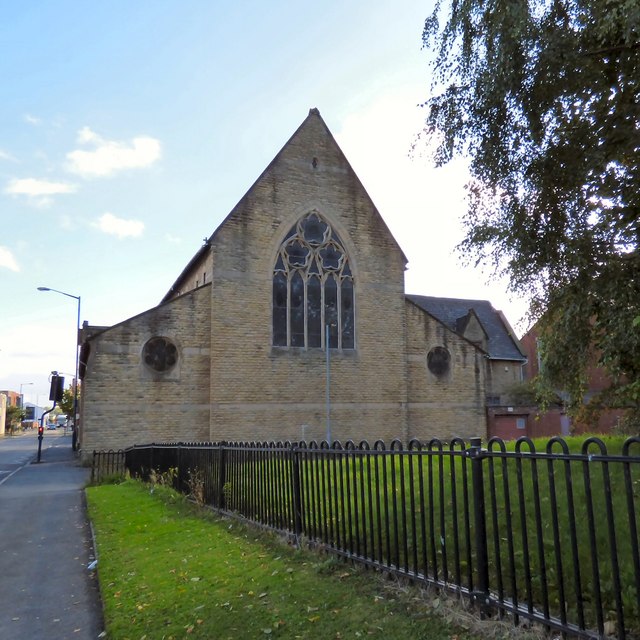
38, 192
35, 121
7, 260
5, 155
33, 187
111, 156
108, 223
172, 239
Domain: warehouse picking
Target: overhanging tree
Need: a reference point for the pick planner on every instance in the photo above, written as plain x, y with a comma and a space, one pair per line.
68, 401
15, 415
543, 97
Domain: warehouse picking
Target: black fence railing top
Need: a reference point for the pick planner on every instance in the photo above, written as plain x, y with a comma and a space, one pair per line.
592, 448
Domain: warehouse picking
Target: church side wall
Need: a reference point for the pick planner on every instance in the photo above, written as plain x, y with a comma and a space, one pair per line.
450, 404
502, 377
260, 392
199, 275
125, 402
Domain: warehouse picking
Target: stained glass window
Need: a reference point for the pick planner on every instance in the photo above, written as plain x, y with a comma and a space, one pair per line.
313, 288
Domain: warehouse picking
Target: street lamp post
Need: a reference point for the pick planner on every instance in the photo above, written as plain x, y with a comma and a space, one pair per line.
23, 384
75, 389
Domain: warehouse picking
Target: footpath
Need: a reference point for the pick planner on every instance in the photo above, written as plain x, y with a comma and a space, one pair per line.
46, 588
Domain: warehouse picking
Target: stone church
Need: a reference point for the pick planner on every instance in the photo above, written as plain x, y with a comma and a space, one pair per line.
292, 323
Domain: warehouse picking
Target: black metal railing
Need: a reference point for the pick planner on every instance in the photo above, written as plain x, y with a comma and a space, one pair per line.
107, 465
549, 536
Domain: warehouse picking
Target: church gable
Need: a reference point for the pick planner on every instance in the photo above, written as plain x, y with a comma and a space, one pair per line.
471, 328
305, 252
310, 173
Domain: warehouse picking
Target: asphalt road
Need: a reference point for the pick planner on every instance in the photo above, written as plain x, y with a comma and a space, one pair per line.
46, 590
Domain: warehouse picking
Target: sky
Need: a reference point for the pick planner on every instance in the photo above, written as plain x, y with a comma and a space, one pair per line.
129, 130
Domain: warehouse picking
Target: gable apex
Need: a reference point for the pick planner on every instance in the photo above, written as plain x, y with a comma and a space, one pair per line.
456, 313
311, 157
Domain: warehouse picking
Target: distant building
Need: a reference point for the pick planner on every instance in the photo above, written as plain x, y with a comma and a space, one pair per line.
7, 399
3, 413
13, 397
555, 420
291, 322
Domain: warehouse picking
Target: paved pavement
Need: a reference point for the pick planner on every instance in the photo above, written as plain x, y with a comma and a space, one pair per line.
46, 590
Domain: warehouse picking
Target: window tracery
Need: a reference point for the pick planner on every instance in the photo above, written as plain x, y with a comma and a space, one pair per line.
313, 288
160, 354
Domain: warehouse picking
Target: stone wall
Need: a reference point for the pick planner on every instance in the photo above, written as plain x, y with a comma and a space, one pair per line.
502, 377
444, 402
230, 383
126, 402
260, 392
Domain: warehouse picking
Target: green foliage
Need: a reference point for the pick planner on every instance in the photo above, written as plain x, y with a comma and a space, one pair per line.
166, 479
629, 425
15, 415
528, 394
542, 96
66, 405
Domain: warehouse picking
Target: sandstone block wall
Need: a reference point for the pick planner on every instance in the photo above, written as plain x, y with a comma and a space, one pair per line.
502, 376
448, 405
125, 402
262, 392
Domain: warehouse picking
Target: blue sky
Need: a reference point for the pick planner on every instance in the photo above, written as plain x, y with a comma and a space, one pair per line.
128, 130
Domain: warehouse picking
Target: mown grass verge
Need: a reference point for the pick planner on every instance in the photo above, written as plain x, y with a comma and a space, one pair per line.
168, 571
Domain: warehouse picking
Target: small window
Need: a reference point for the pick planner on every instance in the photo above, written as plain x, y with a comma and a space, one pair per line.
521, 423
160, 354
439, 361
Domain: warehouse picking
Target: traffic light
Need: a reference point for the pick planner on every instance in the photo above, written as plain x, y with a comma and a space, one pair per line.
40, 431
57, 388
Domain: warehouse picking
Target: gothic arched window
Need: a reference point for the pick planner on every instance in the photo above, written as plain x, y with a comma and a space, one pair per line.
313, 288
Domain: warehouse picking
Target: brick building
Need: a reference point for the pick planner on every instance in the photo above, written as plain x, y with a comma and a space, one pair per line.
237, 349
555, 421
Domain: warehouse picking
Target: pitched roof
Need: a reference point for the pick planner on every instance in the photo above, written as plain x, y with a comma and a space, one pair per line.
501, 341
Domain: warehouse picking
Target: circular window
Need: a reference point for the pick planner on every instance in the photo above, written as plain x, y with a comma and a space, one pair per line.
160, 354
439, 361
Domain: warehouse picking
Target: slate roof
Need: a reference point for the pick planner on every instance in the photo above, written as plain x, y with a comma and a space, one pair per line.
501, 344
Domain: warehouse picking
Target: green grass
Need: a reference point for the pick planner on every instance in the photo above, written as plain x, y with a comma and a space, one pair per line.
408, 511
424, 535
168, 571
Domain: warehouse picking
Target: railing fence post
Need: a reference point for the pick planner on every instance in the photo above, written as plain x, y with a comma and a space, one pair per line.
221, 476
179, 475
481, 590
297, 496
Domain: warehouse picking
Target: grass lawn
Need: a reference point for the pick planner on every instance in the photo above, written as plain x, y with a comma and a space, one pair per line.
168, 570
